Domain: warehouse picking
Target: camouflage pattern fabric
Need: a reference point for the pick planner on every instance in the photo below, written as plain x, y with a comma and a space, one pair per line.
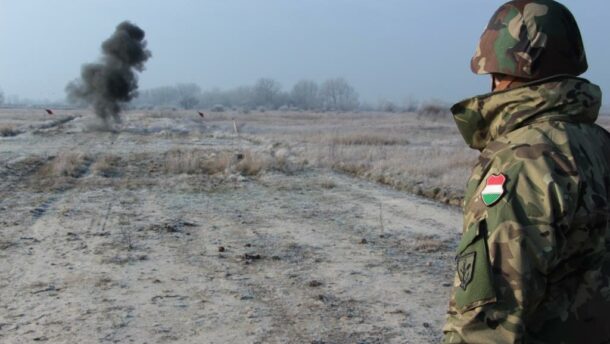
523, 33
535, 266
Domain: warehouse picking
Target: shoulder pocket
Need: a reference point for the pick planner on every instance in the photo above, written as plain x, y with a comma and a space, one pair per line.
474, 269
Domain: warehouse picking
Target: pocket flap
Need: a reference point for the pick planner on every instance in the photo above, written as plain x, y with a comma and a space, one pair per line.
472, 232
474, 274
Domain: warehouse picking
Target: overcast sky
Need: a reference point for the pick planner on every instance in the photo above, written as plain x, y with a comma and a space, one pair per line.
391, 49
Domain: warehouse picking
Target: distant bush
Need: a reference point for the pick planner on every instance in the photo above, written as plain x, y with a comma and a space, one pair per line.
434, 111
218, 108
388, 106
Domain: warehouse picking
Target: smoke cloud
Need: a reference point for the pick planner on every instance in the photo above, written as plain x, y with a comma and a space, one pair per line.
110, 83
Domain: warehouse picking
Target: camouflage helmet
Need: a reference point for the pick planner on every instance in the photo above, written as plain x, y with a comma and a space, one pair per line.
531, 39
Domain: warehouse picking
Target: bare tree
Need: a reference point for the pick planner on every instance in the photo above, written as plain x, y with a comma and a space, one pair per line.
159, 96
188, 95
387, 106
188, 102
1, 97
305, 95
410, 104
241, 96
338, 94
266, 92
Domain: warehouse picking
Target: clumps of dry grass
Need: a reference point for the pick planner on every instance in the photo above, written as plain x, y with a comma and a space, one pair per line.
178, 161
255, 163
60, 171
433, 172
106, 166
368, 138
252, 163
328, 184
8, 130
67, 164
24, 166
428, 244
245, 163
357, 137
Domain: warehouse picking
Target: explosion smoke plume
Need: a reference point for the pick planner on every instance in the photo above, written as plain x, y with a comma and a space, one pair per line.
112, 82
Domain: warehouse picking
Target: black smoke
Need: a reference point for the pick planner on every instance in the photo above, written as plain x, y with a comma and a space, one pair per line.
112, 82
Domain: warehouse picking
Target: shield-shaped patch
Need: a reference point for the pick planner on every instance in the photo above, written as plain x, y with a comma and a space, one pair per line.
494, 189
465, 268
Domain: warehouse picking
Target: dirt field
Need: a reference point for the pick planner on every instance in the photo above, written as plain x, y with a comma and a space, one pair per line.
175, 229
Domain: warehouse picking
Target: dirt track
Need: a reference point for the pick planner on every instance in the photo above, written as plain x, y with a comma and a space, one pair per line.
146, 257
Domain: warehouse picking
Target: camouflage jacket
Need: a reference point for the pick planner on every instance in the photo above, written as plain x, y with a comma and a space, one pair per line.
533, 264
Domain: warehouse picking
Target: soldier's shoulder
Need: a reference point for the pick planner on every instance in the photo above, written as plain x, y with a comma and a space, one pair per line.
537, 149
532, 141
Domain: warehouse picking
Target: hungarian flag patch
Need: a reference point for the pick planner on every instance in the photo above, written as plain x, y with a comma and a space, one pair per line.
494, 189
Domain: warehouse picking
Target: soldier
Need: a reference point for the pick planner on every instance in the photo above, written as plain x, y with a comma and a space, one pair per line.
533, 264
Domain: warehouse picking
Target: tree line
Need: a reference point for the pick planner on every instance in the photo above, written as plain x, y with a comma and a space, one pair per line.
266, 94
332, 94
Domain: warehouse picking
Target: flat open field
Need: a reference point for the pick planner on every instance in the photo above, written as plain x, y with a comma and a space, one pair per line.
176, 229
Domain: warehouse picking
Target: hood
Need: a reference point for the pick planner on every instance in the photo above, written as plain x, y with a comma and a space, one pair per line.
561, 98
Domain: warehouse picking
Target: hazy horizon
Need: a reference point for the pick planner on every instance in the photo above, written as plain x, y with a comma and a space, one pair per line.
391, 50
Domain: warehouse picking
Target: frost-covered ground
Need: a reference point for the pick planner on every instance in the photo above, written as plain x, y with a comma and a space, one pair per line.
176, 229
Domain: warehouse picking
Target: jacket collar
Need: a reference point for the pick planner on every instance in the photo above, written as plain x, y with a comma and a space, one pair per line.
483, 118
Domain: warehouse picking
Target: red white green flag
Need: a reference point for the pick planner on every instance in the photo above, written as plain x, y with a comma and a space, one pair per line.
494, 189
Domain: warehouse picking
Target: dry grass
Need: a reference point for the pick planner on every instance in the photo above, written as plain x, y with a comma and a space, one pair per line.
7, 130
246, 162
106, 166
368, 138
432, 171
421, 156
196, 161
328, 184
255, 163
428, 244
419, 153
252, 164
67, 164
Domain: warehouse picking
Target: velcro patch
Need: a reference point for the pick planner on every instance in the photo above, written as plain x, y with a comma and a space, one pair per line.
465, 268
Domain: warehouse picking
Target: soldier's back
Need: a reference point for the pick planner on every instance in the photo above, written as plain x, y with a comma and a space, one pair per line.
576, 308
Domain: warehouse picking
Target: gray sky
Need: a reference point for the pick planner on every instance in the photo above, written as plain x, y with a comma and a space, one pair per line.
391, 49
